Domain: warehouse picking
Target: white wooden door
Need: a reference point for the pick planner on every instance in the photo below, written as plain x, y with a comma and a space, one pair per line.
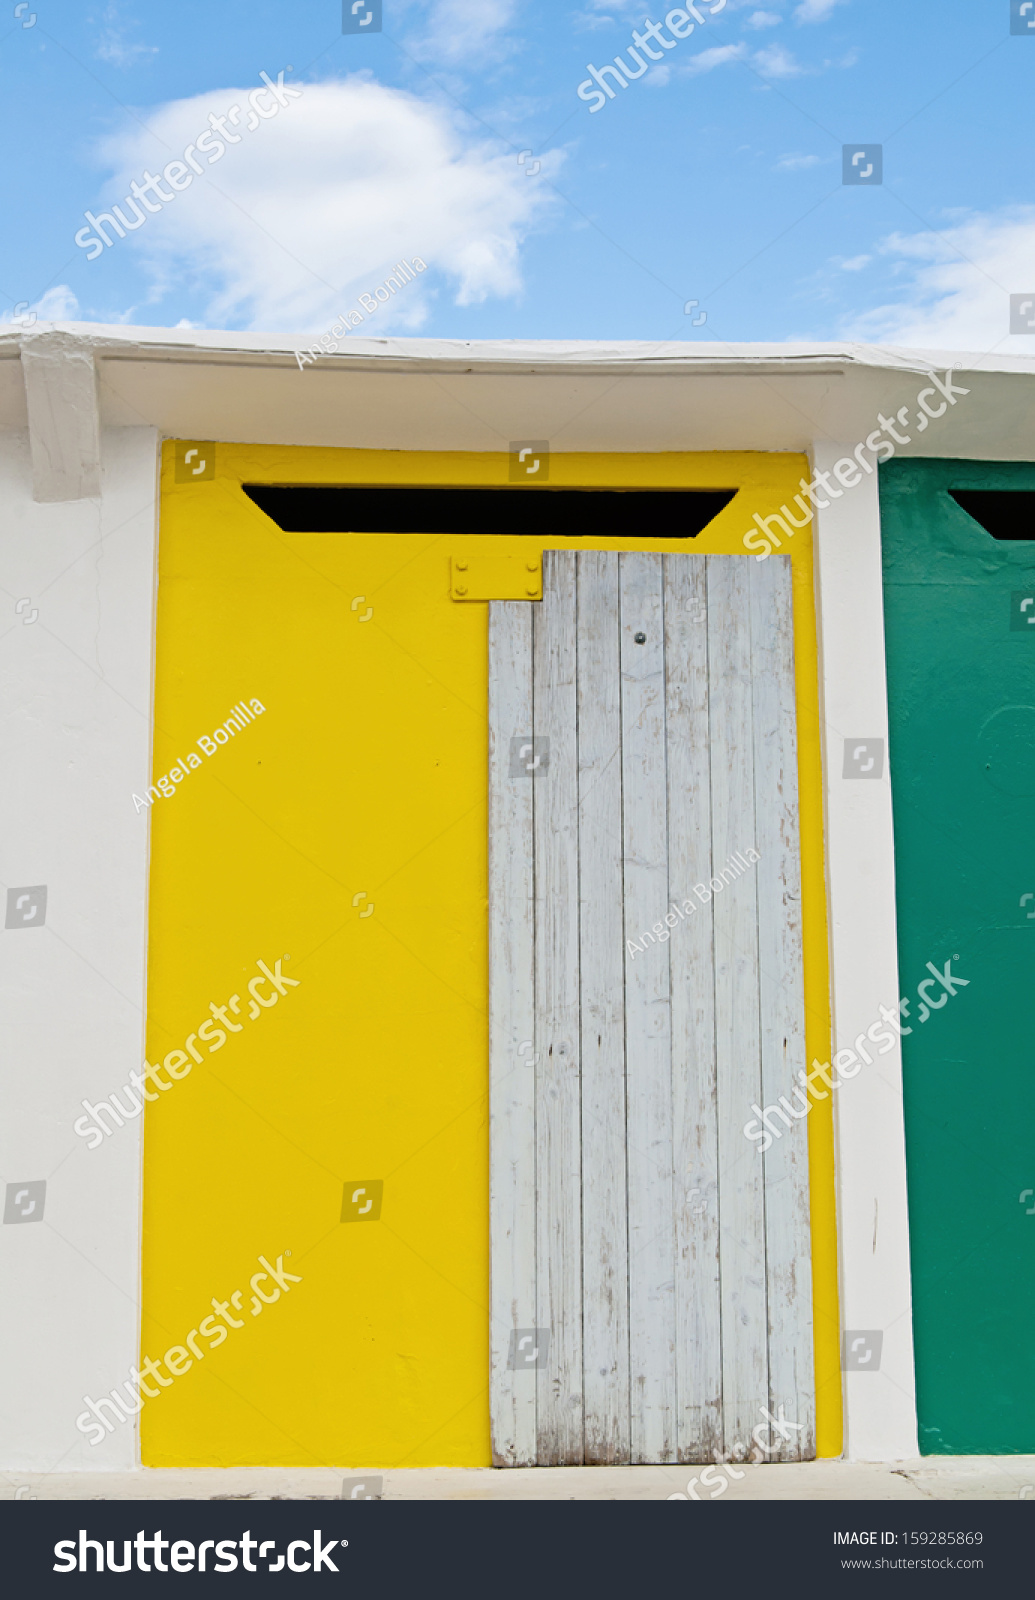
651, 1278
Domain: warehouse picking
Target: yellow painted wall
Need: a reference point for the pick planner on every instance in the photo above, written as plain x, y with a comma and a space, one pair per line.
365, 775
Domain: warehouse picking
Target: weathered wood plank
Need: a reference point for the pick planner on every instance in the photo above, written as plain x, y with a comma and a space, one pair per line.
630, 1215
692, 963
782, 1010
558, 1088
511, 1035
738, 1060
648, 1015
605, 1257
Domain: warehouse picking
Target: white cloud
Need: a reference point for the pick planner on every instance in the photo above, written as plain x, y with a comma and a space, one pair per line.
57, 305
855, 263
114, 46
606, 14
601, 13
797, 163
958, 285
708, 60
591, 20
815, 10
313, 207
54, 305
776, 62
763, 19
457, 29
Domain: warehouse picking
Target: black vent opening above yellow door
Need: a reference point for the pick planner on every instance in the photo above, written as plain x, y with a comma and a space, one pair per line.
558, 513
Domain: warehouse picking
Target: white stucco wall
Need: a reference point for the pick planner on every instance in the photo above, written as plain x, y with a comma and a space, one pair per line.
873, 1220
75, 719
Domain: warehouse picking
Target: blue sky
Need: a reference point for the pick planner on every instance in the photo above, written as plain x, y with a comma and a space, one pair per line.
715, 176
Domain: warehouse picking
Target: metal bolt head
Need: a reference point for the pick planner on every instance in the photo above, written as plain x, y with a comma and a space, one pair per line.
641, 638
461, 566
533, 566
461, 588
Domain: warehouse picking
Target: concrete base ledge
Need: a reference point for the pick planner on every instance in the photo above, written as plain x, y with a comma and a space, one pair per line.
933, 1478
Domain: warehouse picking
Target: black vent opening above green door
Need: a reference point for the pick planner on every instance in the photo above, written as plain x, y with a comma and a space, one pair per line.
1004, 513
554, 513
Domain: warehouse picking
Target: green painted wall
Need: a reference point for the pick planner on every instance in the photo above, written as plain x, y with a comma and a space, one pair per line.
961, 685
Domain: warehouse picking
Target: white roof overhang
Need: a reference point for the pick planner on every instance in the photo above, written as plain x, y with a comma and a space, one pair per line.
67, 381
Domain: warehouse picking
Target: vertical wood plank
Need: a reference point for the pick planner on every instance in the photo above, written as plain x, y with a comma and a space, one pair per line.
605, 1263
558, 1087
648, 1015
738, 1059
691, 958
782, 1009
511, 1035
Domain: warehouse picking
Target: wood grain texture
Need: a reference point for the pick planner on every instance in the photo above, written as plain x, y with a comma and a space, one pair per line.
745, 1387
691, 958
648, 1014
558, 1032
657, 975
782, 1008
512, 1148
605, 1258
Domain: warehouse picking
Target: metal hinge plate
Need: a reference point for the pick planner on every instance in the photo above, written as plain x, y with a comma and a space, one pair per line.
495, 577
